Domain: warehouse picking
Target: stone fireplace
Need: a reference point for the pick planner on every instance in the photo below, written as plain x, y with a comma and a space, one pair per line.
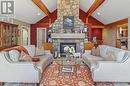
61, 34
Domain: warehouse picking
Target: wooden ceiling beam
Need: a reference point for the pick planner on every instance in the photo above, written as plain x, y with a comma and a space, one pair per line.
120, 22
94, 6
41, 5
98, 26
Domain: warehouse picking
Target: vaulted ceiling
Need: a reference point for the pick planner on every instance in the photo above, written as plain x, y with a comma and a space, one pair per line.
110, 11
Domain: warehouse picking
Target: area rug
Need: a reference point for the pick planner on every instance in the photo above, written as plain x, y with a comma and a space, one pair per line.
53, 77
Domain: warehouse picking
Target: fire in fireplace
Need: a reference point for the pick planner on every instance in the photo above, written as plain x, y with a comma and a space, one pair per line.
64, 45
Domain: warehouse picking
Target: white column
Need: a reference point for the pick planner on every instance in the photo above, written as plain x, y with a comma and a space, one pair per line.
129, 33
29, 36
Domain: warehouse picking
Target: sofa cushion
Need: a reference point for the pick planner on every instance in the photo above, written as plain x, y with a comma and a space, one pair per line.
14, 55
47, 51
103, 50
87, 52
126, 56
30, 49
98, 51
119, 56
44, 60
109, 57
94, 51
91, 57
93, 65
111, 53
91, 60
25, 57
18, 48
96, 58
39, 52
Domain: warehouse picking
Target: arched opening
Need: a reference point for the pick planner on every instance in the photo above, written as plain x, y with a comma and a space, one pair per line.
24, 35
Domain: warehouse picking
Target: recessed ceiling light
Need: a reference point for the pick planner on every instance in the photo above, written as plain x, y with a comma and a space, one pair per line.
38, 14
98, 13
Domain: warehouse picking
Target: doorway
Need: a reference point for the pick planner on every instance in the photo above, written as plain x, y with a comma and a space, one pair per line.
41, 37
24, 35
122, 36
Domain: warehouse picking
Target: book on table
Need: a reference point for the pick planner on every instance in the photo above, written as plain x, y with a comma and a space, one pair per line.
67, 69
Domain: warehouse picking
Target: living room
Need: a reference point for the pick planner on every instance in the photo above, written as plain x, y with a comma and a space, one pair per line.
64, 43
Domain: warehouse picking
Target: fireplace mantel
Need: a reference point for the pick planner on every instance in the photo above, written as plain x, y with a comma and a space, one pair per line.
68, 35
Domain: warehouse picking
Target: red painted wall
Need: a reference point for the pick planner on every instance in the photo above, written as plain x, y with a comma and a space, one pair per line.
93, 32
94, 21
82, 15
97, 32
33, 31
33, 35
42, 23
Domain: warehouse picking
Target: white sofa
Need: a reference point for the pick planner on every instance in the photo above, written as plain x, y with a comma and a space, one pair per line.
23, 72
115, 68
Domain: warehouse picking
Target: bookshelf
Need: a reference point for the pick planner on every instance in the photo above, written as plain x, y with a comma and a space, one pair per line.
8, 35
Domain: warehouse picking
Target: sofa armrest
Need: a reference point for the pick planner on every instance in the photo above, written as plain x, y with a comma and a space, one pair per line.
47, 51
107, 66
106, 62
87, 51
39, 52
24, 65
110, 71
20, 72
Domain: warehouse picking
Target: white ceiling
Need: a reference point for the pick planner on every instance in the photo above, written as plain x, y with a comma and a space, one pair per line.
26, 10
110, 10
86, 4
113, 10
50, 4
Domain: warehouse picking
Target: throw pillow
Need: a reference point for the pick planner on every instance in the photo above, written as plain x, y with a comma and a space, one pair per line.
97, 51
103, 50
109, 57
21, 48
39, 52
25, 57
112, 53
119, 56
93, 51
14, 55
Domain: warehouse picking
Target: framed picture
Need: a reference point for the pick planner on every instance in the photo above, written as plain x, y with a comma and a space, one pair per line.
68, 22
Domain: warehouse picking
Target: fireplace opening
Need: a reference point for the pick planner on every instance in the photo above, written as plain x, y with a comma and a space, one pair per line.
64, 45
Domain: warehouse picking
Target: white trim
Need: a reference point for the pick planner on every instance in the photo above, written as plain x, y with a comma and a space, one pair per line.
68, 35
45, 34
28, 34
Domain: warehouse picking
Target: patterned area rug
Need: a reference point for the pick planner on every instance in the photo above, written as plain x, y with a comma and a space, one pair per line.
52, 77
